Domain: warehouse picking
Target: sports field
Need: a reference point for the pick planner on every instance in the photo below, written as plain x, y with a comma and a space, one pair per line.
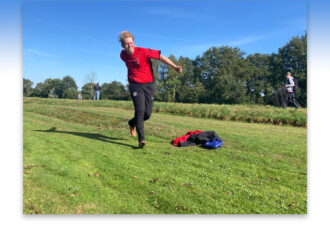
79, 158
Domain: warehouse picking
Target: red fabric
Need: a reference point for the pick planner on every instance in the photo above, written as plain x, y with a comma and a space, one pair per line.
139, 64
182, 139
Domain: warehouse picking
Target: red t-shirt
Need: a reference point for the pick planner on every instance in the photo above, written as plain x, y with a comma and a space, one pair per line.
139, 64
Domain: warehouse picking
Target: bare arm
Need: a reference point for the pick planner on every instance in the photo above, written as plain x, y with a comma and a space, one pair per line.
170, 63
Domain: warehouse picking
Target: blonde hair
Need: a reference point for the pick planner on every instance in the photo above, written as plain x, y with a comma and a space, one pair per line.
125, 34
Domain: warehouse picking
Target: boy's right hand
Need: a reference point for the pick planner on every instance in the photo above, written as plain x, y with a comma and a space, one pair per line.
178, 69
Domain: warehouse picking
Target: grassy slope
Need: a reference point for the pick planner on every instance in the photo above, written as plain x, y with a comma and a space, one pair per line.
80, 159
247, 113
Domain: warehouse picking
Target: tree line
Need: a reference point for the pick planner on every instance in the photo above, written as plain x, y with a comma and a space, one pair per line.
67, 88
221, 75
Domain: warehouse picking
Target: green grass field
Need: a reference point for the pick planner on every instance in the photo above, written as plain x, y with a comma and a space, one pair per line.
79, 158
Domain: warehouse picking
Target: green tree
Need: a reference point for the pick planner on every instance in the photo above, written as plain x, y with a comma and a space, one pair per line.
292, 57
222, 71
68, 83
161, 87
27, 87
257, 84
114, 91
86, 92
155, 65
168, 82
90, 79
69, 87
189, 87
52, 88
70, 93
37, 91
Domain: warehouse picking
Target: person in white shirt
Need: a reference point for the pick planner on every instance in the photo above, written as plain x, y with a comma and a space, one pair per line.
289, 84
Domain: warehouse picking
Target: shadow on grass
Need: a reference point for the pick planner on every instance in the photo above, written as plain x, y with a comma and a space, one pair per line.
94, 136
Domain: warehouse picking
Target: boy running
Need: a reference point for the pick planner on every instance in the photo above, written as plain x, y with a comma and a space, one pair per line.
141, 80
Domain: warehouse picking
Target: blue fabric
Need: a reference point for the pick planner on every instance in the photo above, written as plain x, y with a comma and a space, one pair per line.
97, 95
213, 144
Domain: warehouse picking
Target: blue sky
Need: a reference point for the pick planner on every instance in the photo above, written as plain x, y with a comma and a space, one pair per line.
79, 37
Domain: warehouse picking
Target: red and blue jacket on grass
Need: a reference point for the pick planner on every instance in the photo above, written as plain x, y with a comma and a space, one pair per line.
179, 141
208, 139
139, 65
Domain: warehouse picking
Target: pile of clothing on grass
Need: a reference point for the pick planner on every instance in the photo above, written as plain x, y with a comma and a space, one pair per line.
208, 139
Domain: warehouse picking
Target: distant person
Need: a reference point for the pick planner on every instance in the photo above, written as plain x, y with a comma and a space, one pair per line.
79, 97
289, 84
97, 89
141, 80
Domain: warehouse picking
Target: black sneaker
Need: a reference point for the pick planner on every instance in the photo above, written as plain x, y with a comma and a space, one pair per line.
142, 144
